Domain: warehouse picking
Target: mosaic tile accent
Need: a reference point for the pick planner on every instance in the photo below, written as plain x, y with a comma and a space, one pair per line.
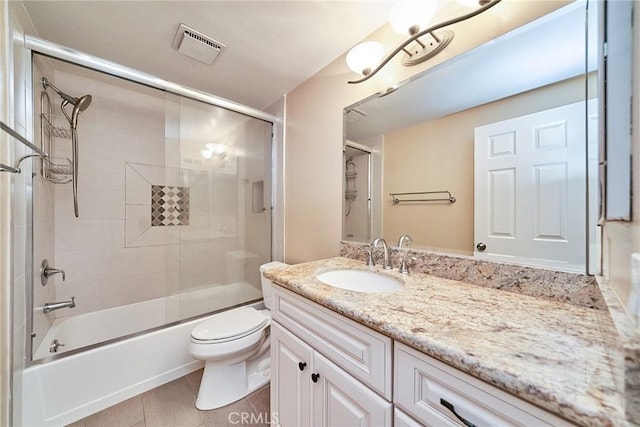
169, 205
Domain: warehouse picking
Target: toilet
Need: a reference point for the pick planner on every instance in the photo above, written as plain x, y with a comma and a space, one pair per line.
235, 348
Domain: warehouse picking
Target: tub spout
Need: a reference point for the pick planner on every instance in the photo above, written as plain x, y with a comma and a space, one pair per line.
50, 306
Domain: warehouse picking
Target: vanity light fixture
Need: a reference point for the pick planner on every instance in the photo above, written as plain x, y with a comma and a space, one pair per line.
220, 150
410, 17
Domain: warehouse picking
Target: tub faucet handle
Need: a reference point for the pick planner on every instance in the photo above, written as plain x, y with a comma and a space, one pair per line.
46, 272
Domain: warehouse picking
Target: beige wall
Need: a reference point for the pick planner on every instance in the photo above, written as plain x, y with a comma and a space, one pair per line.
313, 158
438, 155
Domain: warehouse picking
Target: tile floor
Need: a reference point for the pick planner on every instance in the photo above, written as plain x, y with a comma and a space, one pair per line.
173, 405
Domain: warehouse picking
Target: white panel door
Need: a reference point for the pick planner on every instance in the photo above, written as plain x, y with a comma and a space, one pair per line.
291, 367
341, 400
530, 189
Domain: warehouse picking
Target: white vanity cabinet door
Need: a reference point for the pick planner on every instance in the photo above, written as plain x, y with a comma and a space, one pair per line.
423, 387
291, 367
402, 419
341, 400
361, 351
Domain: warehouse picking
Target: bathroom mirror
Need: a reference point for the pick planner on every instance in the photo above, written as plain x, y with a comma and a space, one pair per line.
421, 138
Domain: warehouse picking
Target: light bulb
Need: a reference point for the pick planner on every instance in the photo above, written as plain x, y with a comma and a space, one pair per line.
365, 57
410, 17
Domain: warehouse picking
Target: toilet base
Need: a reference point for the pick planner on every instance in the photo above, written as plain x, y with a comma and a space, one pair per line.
222, 385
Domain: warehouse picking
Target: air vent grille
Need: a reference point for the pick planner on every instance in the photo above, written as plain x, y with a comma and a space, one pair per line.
196, 45
202, 39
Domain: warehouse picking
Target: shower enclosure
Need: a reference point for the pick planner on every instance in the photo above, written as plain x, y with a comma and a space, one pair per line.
357, 192
159, 210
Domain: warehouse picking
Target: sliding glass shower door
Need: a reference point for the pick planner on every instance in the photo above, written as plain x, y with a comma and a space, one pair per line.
228, 235
174, 203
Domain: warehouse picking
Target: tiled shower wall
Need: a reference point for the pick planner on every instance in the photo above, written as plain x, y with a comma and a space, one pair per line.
43, 220
121, 125
126, 246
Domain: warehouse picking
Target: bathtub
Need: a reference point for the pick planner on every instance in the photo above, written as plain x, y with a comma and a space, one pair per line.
66, 389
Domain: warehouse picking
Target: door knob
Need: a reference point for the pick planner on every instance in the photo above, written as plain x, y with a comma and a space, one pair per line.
314, 377
302, 365
481, 246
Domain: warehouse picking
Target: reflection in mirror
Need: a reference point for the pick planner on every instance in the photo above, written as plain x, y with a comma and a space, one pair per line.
520, 101
357, 217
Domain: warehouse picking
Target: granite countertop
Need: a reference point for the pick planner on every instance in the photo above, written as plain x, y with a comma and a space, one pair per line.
561, 357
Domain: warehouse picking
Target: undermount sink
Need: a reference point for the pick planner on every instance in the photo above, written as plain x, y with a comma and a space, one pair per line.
360, 281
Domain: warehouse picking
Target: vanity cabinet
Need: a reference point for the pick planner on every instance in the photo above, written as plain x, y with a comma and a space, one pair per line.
341, 380
328, 370
309, 390
436, 394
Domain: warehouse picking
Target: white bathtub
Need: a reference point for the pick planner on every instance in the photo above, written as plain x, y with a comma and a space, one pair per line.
67, 389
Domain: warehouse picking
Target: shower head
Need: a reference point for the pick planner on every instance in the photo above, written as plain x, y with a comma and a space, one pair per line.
79, 104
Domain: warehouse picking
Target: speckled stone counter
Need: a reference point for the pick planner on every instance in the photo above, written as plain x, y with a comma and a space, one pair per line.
561, 357
571, 288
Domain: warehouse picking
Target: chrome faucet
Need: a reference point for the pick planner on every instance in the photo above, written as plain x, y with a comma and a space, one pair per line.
386, 264
404, 266
404, 238
50, 306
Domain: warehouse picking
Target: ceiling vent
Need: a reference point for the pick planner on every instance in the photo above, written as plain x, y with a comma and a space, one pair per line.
196, 45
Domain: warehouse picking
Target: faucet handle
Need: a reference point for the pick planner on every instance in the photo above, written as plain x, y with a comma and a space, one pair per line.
46, 272
404, 265
370, 260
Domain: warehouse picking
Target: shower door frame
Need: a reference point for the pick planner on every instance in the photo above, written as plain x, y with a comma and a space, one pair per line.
34, 45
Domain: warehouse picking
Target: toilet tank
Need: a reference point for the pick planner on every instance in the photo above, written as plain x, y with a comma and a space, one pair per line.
266, 283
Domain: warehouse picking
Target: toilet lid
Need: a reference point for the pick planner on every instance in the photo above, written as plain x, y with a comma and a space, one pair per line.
229, 324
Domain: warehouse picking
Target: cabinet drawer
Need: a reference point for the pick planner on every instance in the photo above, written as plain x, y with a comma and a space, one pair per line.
362, 352
402, 419
424, 387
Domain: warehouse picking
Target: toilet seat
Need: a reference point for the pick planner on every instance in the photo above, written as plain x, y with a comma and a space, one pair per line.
229, 326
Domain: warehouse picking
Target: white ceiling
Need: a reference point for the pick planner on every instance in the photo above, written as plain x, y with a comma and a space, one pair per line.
271, 46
